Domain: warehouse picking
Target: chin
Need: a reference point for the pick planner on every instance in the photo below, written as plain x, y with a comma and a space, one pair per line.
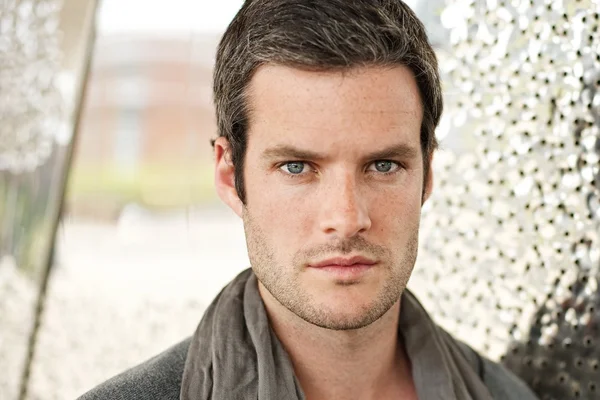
342, 321
345, 313
344, 297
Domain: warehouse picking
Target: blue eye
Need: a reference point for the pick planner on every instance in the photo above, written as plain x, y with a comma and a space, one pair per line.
384, 166
293, 167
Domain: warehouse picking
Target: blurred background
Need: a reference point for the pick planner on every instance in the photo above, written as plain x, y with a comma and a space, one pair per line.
148, 115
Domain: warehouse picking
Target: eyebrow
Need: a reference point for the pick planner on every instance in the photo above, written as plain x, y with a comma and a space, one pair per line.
285, 151
397, 151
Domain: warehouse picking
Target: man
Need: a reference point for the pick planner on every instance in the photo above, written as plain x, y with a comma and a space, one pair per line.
326, 113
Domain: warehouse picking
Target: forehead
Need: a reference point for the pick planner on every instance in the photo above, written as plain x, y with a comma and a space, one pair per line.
363, 105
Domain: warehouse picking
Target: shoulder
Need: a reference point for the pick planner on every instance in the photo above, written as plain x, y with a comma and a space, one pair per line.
502, 384
158, 378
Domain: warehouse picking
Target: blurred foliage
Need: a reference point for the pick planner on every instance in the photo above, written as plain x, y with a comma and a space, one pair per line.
104, 189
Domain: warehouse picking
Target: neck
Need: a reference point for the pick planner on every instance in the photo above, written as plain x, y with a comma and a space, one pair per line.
366, 363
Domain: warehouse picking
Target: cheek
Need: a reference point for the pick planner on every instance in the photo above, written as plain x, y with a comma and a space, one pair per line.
285, 214
291, 219
394, 213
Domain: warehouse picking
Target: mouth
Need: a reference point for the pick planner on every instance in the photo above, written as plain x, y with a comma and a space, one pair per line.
345, 268
344, 262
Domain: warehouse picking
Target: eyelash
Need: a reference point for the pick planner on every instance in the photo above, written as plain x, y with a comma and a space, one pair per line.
296, 176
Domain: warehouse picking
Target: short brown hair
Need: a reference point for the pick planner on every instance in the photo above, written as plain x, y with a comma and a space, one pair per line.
320, 35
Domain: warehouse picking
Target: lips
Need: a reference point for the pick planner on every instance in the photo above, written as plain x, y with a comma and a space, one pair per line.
344, 262
345, 270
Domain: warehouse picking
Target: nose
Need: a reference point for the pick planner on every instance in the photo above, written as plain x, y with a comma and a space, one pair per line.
344, 210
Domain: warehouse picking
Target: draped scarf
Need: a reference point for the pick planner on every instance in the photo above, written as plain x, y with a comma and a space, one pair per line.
235, 355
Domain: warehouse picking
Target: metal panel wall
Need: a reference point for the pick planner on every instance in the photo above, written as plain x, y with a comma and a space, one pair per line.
44, 50
510, 256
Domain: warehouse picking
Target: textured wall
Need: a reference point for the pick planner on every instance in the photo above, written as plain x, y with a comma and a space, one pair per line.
510, 256
31, 109
43, 47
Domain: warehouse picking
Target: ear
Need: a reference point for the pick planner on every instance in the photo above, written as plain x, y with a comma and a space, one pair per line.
225, 176
428, 188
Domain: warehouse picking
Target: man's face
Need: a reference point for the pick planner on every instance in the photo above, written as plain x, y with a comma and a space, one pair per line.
334, 183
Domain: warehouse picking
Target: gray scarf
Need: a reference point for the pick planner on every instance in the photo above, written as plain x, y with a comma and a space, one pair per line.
235, 355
